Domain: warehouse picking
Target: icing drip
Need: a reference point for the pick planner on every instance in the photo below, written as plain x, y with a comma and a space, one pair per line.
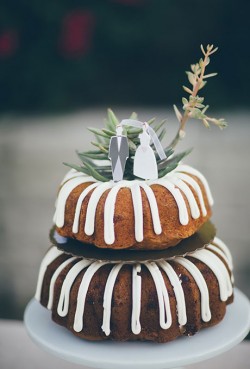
64, 193
196, 188
136, 299
84, 193
177, 183
189, 170
92, 205
178, 291
153, 207
107, 298
138, 212
209, 256
82, 292
51, 255
63, 304
219, 269
225, 250
109, 211
162, 293
183, 213
53, 280
201, 283
195, 212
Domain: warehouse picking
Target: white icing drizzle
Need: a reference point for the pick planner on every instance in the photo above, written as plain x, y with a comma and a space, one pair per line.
153, 207
109, 211
92, 205
64, 193
49, 257
208, 256
176, 181
183, 213
79, 205
178, 291
196, 188
218, 242
162, 293
189, 170
71, 174
201, 283
63, 303
107, 298
136, 299
219, 269
54, 278
82, 292
138, 211
195, 212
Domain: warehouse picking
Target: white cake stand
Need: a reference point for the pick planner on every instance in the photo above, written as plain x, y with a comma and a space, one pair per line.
140, 355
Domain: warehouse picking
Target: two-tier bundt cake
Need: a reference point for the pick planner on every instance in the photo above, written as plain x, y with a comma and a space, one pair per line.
151, 300
104, 212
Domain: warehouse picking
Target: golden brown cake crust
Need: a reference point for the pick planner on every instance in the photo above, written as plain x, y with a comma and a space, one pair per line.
124, 221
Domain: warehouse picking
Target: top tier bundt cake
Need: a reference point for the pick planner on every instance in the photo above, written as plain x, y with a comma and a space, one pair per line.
134, 214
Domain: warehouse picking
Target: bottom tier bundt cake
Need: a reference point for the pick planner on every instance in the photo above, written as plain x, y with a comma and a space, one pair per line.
151, 300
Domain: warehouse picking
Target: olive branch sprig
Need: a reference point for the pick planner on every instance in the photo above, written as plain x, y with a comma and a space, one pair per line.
194, 106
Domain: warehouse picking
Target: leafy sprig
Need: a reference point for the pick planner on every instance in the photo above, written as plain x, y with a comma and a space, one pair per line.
95, 163
194, 106
90, 160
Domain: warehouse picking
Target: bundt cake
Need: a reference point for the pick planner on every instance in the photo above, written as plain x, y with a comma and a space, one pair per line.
152, 300
134, 214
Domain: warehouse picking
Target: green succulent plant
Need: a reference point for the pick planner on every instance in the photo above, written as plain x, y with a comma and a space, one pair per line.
95, 163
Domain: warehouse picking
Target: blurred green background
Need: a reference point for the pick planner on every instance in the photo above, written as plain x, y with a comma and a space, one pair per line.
65, 55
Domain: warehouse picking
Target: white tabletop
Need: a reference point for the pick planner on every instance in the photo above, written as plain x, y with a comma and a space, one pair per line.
18, 351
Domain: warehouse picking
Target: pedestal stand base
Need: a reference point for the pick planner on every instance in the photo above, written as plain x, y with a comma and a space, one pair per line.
139, 355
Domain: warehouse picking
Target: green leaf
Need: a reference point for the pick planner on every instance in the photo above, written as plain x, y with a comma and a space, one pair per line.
198, 105
102, 147
151, 121
94, 173
202, 49
134, 116
187, 90
205, 122
170, 164
113, 119
76, 167
99, 156
191, 78
184, 101
196, 113
177, 113
108, 132
108, 124
98, 132
210, 75
134, 131
162, 134
158, 127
